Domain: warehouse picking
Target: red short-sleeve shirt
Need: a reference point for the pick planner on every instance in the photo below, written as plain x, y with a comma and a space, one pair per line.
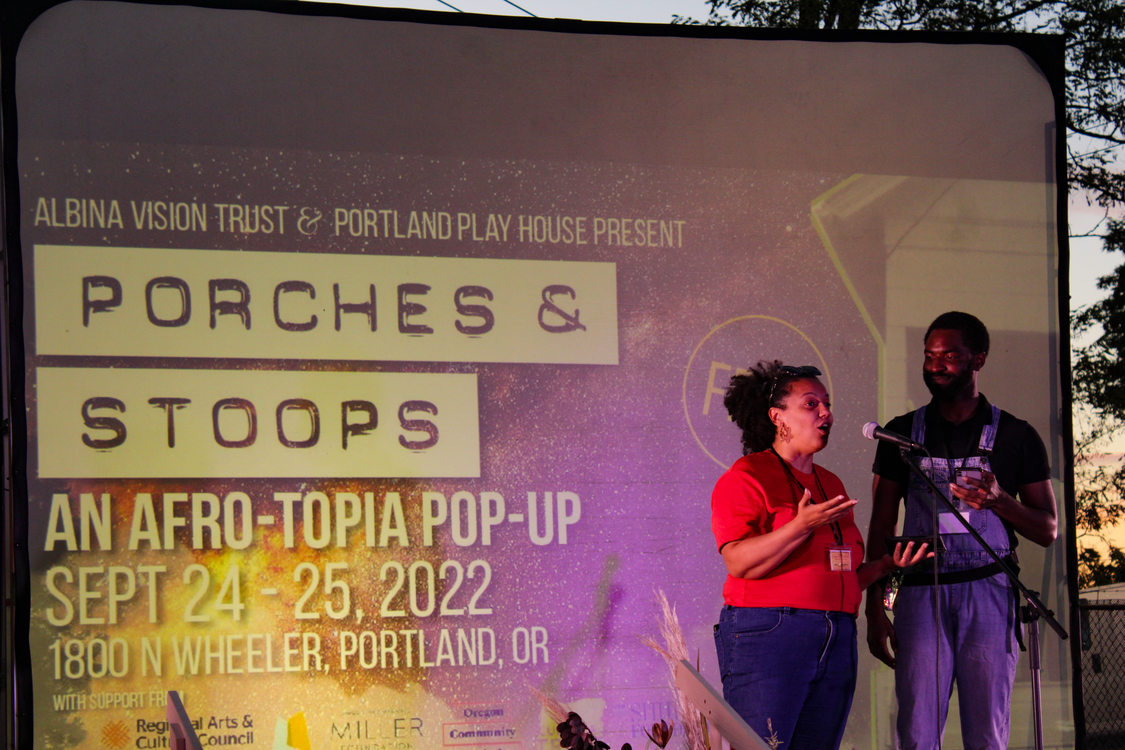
755, 496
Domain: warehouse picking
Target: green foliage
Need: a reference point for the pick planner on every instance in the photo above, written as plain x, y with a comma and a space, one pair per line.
1099, 367
1096, 570
1099, 501
1099, 385
1094, 37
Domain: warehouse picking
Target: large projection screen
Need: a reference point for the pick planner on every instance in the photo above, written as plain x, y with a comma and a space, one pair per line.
373, 361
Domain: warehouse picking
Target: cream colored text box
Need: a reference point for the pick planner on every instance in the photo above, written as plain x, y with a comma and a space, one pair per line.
103, 423
141, 302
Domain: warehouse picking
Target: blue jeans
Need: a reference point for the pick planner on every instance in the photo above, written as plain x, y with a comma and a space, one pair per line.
789, 672
974, 643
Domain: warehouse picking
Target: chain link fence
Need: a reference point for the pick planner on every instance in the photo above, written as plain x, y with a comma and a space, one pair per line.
1103, 673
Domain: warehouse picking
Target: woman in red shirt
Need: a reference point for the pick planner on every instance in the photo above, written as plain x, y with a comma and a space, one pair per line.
786, 637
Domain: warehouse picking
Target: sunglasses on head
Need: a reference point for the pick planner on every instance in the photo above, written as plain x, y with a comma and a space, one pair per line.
804, 371
787, 372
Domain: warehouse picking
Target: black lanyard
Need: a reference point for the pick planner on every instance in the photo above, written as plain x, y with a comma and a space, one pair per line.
837, 534
972, 450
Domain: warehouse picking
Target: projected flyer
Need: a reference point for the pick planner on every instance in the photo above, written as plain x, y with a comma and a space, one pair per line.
291, 469
374, 368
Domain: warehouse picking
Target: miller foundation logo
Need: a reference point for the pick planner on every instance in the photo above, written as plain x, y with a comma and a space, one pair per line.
728, 349
376, 729
115, 735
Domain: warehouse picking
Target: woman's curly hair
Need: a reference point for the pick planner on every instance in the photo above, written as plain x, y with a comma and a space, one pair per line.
748, 400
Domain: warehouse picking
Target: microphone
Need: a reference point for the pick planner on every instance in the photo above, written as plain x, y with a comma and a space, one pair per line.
872, 431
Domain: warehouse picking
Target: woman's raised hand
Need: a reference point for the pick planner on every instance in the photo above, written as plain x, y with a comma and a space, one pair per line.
813, 514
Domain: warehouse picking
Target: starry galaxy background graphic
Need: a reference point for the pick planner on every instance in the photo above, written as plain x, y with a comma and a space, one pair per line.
615, 435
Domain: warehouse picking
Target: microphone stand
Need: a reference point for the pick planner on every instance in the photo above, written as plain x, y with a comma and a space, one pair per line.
1030, 614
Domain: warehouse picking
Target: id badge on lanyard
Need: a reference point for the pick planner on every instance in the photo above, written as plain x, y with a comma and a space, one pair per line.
839, 559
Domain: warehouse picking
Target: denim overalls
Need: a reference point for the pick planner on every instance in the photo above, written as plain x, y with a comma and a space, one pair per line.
971, 635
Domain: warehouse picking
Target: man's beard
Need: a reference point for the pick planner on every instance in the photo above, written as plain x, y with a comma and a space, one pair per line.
949, 390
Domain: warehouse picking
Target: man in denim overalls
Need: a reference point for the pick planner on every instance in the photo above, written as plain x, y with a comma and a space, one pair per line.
994, 469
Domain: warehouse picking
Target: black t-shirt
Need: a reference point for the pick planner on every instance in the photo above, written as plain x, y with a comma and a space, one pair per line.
1018, 455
